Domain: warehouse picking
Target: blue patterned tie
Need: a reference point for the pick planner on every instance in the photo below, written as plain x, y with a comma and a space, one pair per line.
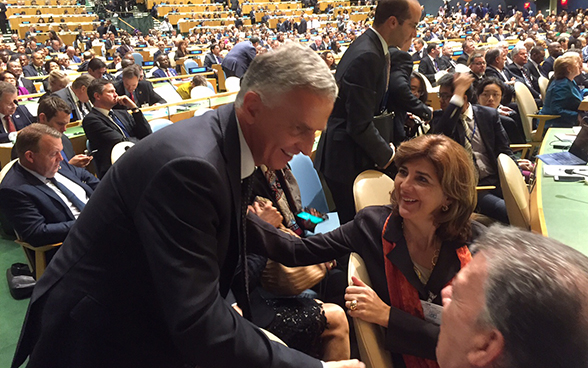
119, 123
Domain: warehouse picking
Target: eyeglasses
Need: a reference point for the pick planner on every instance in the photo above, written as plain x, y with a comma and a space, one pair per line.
479, 63
444, 96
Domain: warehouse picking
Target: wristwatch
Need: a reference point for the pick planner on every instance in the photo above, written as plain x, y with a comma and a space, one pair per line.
135, 110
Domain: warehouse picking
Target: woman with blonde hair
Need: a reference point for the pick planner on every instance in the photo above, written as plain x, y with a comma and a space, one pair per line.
563, 95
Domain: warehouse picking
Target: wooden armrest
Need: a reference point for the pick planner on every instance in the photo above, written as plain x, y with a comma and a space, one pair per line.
42, 248
486, 187
520, 146
544, 117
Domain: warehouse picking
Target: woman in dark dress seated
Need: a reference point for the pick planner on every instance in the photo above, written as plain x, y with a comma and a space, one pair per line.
412, 248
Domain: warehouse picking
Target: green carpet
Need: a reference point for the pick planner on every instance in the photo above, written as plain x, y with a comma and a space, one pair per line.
12, 312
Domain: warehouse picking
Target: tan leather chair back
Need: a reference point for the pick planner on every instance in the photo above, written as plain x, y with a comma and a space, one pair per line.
6, 168
527, 106
543, 83
372, 188
370, 337
515, 192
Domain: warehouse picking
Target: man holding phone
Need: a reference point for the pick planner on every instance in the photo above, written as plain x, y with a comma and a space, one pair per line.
106, 127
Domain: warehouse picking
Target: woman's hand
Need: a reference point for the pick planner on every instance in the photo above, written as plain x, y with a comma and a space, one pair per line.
368, 305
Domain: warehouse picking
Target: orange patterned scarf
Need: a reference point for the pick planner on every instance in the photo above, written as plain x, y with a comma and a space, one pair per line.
405, 297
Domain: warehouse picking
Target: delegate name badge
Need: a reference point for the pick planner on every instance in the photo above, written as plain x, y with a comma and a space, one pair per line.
432, 312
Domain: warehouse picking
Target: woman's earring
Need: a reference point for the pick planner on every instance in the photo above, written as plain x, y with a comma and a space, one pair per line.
444, 208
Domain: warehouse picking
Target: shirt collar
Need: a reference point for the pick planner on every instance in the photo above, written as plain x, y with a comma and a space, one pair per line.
247, 162
34, 173
73, 95
469, 113
103, 111
382, 40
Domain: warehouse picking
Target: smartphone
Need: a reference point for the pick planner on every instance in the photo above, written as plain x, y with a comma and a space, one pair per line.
307, 216
91, 153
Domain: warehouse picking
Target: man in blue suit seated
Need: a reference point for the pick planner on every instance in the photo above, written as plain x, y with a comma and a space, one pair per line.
42, 195
164, 68
12, 116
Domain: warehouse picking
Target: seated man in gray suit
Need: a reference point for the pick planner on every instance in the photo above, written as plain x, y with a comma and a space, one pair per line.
76, 96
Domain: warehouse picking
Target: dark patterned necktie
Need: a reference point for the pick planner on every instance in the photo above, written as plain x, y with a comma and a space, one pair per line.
246, 190
68, 194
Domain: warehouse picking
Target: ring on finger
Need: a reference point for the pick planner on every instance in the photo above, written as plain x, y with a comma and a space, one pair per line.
353, 305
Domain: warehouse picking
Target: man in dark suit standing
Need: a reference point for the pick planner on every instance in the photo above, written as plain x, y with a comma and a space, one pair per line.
303, 25
35, 68
238, 59
168, 218
15, 68
352, 143
139, 91
42, 195
479, 130
429, 65
13, 116
106, 127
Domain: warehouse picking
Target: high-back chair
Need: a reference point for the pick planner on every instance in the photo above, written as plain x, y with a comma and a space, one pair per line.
233, 84
201, 92
138, 58
311, 191
372, 187
370, 336
515, 192
528, 111
543, 83
120, 149
189, 64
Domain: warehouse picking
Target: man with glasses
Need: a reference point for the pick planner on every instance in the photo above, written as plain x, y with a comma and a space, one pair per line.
13, 116
477, 65
478, 129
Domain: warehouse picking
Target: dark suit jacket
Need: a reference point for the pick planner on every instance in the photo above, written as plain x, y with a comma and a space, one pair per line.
302, 26
37, 213
209, 60
517, 73
159, 73
547, 66
103, 134
406, 334
169, 226
417, 56
488, 124
445, 62
239, 58
144, 94
400, 99
535, 72
30, 71
351, 142
21, 118
510, 91
28, 84
66, 95
463, 59
427, 68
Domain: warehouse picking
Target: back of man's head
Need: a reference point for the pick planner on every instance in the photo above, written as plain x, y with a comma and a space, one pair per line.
254, 40
431, 47
132, 71
87, 55
96, 64
492, 55
447, 81
536, 296
392, 8
289, 67
83, 80
49, 107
